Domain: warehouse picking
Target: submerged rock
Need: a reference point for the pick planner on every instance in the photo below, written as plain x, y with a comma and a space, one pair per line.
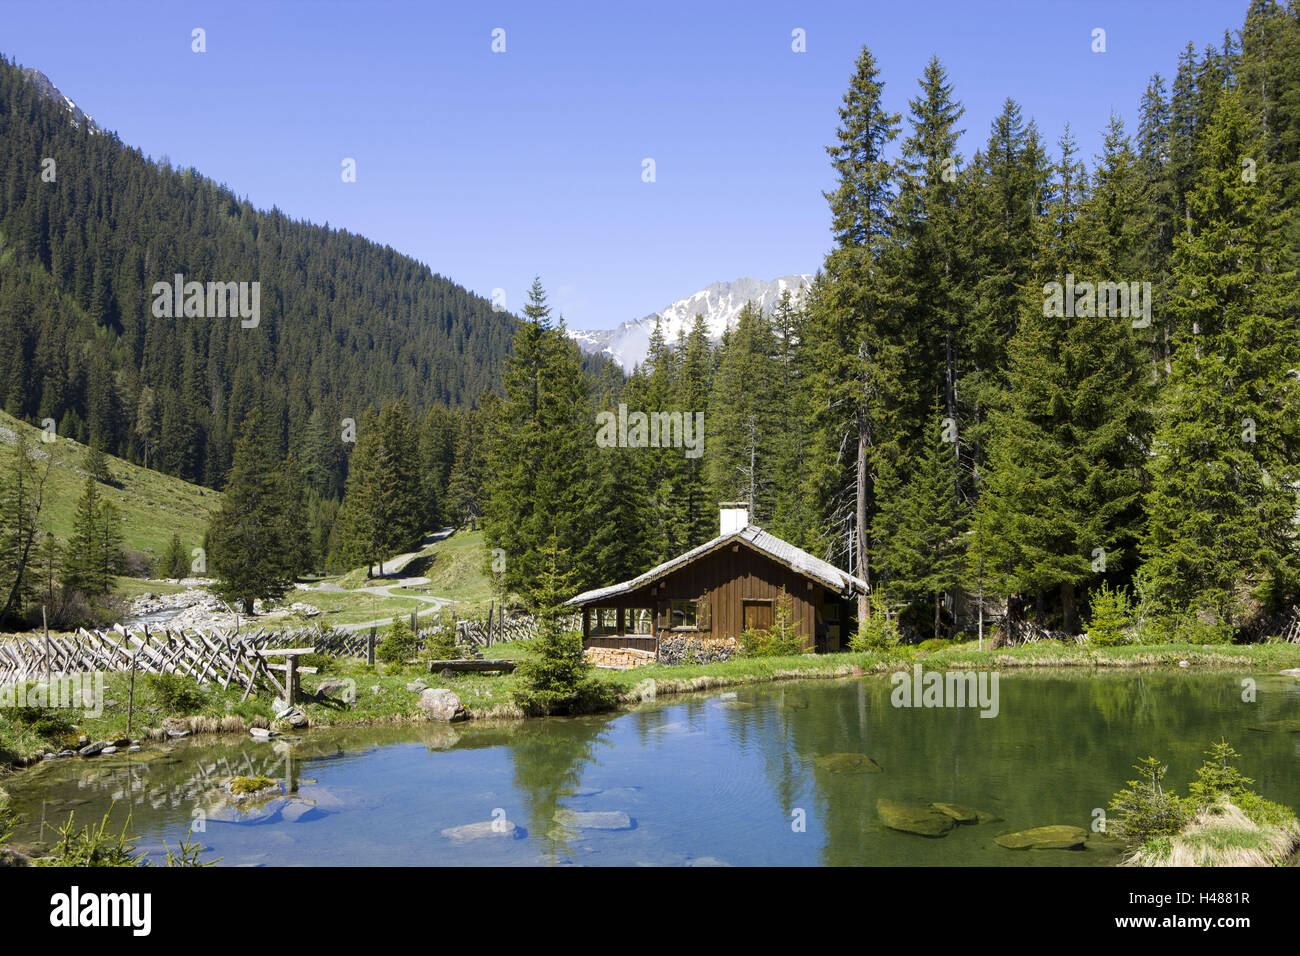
1056, 837
914, 818
10, 857
964, 814
1283, 725
958, 812
482, 830
593, 820
847, 763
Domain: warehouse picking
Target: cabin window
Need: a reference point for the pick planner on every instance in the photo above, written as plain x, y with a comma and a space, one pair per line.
639, 620
684, 614
604, 621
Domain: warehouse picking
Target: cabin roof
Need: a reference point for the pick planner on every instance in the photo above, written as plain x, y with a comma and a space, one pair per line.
796, 559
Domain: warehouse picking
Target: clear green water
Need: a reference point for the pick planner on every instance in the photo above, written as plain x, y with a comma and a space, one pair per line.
710, 779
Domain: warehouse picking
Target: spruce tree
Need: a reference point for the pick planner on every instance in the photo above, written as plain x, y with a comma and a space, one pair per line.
248, 551
22, 495
1222, 502
539, 458
849, 350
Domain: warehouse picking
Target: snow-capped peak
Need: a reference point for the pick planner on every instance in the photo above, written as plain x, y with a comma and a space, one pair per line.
720, 304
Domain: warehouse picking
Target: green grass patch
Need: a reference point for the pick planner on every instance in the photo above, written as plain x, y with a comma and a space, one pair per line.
153, 505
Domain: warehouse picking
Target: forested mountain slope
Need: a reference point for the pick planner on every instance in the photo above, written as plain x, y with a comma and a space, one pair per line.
343, 322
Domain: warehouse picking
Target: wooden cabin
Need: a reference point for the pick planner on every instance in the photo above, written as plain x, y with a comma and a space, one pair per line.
722, 588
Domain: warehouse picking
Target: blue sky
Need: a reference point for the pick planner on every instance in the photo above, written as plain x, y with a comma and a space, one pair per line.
493, 167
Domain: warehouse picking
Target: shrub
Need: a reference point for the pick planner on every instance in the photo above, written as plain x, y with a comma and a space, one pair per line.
91, 846
321, 662
138, 564
174, 562
6, 819
46, 722
935, 644
878, 632
177, 693
1110, 618
398, 645
1144, 809
440, 645
558, 680
770, 643
1217, 778
1265, 813
1196, 630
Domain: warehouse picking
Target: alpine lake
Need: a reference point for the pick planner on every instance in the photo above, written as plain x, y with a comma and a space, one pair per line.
795, 773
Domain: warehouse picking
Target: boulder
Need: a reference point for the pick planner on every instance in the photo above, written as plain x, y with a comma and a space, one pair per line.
1057, 837
298, 720
847, 763
438, 703
914, 818
261, 733
593, 820
10, 857
175, 726
482, 830
91, 750
110, 749
331, 688
964, 814
961, 814
418, 684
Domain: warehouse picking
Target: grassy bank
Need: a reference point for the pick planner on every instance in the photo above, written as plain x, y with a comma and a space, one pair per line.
1227, 835
382, 695
152, 505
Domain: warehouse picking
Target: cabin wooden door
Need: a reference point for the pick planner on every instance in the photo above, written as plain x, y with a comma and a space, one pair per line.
757, 615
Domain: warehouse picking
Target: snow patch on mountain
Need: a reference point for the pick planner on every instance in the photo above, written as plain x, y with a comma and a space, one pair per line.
52, 92
720, 304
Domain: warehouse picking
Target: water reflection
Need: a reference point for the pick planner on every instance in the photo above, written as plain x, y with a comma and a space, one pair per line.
720, 778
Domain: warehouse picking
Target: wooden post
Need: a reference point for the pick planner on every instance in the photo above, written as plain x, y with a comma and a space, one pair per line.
370, 648
45, 626
491, 608
130, 700
415, 627
291, 678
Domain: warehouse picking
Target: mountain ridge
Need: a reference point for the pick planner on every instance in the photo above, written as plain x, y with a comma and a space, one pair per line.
719, 303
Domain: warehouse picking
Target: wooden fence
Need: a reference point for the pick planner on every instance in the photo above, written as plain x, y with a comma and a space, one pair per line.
218, 658
224, 657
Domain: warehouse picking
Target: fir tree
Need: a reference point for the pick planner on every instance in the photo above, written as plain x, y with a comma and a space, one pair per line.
248, 551
1222, 502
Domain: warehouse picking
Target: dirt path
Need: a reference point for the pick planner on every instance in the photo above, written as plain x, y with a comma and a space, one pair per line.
385, 590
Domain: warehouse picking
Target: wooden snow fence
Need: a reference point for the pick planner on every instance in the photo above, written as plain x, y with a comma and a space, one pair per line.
487, 633
217, 658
